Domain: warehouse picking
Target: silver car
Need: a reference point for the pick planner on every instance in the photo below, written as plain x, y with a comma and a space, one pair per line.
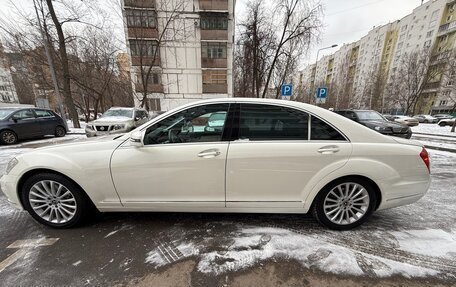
117, 120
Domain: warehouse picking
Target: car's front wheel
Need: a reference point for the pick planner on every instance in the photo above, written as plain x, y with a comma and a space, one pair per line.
55, 201
8, 137
345, 204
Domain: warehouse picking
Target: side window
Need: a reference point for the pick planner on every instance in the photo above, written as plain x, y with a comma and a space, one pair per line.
319, 130
43, 114
198, 124
24, 114
351, 115
267, 122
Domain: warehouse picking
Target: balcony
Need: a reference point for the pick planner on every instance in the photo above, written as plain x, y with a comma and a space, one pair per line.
432, 86
214, 34
140, 3
214, 63
215, 88
155, 88
213, 5
447, 28
441, 57
142, 33
145, 61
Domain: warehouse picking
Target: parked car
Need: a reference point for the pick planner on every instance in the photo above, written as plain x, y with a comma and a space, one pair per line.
426, 119
389, 117
377, 122
447, 122
25, 123
443, 116
117, 120
271, 156
406, 120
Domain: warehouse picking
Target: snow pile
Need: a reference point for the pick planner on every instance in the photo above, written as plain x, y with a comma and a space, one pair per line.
253, 245
434, 129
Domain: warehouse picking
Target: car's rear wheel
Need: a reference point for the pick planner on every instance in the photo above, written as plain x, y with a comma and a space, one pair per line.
442, 124
8, 137
345, 204
55, 201
60, 131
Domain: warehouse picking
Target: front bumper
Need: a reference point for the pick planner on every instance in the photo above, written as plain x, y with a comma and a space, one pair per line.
8, 184
93, 133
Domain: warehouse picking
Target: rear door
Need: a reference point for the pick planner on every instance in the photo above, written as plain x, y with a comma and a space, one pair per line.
25, 124
47, 120
275, 156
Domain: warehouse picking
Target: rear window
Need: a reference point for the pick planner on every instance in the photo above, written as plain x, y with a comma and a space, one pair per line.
43, 114
322, 131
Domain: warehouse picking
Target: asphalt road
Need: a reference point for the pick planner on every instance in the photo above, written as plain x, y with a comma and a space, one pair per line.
413, 245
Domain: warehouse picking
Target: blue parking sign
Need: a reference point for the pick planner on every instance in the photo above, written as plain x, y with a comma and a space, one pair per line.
286, 90
322, 94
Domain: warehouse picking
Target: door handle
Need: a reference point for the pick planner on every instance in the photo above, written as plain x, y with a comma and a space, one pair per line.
328, 149
209, 153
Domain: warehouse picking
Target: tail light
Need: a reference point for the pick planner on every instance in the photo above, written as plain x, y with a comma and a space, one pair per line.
425, 157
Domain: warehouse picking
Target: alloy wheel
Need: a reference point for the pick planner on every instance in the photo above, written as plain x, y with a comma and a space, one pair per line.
8, 137
52, 201
346, 203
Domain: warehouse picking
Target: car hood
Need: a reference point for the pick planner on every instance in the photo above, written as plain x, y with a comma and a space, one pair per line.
383, 124
89, 144
112, 120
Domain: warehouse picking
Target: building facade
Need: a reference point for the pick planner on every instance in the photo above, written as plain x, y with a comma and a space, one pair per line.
179, 50
364, 71
8, 93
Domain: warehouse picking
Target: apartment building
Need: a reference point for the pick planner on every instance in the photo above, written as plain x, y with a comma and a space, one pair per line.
8, 93
431, 25
182, 48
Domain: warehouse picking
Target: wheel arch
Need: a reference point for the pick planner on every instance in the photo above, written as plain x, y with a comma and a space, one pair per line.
33, 172
11, 130
376, 187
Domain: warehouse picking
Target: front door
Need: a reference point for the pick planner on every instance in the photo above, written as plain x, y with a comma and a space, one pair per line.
276, 156
25, 124
182, 162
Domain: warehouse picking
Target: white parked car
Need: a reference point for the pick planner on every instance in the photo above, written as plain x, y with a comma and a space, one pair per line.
117, 120
447, 122
406, 120
426, 119
268, 156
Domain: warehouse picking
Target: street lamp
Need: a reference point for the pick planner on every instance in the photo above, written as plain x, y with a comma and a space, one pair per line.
316, 62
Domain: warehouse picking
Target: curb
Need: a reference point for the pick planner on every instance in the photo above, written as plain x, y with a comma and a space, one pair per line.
440, 148
426, 134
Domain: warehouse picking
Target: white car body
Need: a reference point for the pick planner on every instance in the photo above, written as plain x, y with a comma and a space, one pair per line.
246, 176
426, 119
406, 120
106, 125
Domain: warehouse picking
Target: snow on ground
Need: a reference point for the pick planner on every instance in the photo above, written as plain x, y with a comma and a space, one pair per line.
74, 130
433, 129
437, 143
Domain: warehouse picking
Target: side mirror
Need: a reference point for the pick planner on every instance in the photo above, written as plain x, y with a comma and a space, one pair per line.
137, 119
136, 138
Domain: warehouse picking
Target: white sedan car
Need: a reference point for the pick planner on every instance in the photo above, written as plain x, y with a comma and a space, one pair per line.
268, 156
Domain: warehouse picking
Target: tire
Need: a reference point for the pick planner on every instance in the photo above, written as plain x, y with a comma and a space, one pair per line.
60, 131
338, 217
72, 208
442, 124
8, 137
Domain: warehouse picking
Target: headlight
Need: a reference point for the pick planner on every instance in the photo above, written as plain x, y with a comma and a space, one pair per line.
382, 129
118, 127
90, 127
11, 164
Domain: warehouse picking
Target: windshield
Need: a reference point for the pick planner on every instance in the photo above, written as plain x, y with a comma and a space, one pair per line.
128, 113
369, 116
5, 113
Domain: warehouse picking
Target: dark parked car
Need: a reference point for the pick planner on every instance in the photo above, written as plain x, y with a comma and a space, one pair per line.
376, 121
24, 123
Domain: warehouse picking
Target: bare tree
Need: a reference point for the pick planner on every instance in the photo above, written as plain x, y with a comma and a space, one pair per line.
298, 23
415, 74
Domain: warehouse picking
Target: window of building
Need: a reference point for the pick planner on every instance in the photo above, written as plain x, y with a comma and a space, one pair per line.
449, 18
427, 44
450, 83
429, 34
265, 122
443, 103
404, 28
197, 124
213, 50
214, 23
214, 76
145, 48
152, 79
141, 18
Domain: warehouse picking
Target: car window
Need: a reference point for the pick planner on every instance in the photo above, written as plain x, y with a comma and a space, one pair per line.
198, 124
369, 116
5, 113
43, 114
267, 122
319, 130
351, 115
24, 114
